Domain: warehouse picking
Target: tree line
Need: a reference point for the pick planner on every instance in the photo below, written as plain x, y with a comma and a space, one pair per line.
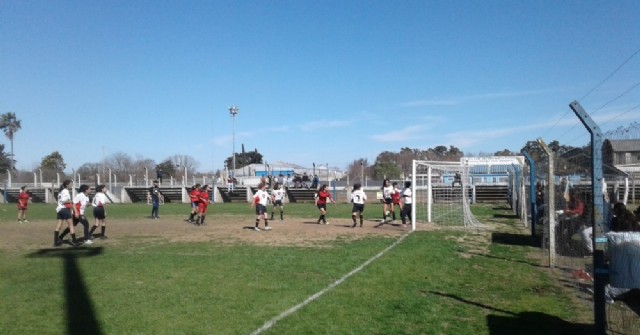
387, 164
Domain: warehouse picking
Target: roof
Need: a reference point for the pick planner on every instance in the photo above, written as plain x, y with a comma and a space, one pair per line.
625, 145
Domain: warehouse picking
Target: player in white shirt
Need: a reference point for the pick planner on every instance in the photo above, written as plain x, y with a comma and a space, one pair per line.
277, 198
358, 198
80, 203
387, 200
260, 202
406, 198
63, 213
100, 211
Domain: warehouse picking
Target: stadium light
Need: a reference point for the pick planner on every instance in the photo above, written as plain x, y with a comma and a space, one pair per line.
233, 110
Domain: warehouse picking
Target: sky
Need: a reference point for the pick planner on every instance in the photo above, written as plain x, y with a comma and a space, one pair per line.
324, 82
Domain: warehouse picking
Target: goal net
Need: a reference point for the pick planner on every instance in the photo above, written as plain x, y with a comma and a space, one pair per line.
441, 194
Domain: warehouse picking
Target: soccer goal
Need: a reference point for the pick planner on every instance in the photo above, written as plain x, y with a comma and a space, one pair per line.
441, 194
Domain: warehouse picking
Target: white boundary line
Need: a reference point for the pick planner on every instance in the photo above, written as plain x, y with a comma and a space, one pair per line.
310, 299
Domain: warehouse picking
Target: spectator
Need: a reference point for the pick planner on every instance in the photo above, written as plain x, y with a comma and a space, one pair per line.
623, 219
306, 182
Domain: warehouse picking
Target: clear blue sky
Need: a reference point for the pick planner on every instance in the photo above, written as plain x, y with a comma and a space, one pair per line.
315, 81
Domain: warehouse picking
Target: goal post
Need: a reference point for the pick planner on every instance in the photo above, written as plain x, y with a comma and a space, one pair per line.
441, 194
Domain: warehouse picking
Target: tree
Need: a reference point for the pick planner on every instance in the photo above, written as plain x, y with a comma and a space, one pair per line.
356, 168
5, 160
244, 158
88, 171
52, 164
167, 167
505, 152
10, 125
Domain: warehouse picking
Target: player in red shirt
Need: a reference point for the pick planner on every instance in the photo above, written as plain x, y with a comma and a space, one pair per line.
23, 202
203, 203
194, 197
321, 201
395, 200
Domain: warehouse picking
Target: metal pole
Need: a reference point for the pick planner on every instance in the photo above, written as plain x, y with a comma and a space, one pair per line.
532, 192
600, 271
233, 110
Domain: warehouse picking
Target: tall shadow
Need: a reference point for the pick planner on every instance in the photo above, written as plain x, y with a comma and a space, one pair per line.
524, 323
80, 315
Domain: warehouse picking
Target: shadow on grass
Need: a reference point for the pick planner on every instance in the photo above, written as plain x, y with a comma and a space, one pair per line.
506, 216
80, 315
523, 323
516, 239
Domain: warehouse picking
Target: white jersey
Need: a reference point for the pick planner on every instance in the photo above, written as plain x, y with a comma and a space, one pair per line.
81, 199
63, 197
387, 192
358, 197
406, 196
262, 197
99, 200
278, 195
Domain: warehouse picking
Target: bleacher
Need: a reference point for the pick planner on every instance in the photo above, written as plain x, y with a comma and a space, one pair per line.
300, 194
239, 194
37, 195
170, 194
492, 193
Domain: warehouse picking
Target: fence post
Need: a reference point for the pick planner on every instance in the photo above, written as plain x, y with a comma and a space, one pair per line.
600, 271
550, 229
532, 192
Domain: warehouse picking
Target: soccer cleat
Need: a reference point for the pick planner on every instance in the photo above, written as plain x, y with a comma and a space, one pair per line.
256, 229
25, 221
326, 222
88, 242
57, 243
267, 228
353, 225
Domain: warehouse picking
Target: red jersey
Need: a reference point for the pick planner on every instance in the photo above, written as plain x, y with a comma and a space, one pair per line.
23, 200
322, 197
395, 196
203, 201
194, 195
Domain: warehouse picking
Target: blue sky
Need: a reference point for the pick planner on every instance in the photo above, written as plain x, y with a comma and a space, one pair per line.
315, 81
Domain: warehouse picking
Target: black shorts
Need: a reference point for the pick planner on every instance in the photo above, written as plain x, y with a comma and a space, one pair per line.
358, 208
64, 214
277, 203
98, 213
388, 201
322, 206
260, 209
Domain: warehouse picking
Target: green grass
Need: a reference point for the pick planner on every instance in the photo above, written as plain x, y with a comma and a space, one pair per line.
436, 282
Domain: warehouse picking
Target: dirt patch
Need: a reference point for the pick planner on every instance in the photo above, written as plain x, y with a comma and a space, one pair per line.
233, 230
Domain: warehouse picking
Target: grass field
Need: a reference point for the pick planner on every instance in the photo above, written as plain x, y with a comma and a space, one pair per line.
223, 279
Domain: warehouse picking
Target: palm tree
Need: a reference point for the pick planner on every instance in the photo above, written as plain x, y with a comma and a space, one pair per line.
10, 125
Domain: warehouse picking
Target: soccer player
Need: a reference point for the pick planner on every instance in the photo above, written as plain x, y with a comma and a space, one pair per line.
99, 211
358, 198
406, 198
395, 200
260, 201
63, 213
156, 196
203, 203
387, 200
277, 197
194, 196
80, 202
321, 202
23, 203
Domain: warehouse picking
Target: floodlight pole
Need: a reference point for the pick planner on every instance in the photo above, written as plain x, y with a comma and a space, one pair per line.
233, 110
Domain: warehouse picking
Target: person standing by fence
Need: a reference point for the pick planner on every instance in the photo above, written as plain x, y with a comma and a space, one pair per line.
156, 197
23, 202
407, 194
